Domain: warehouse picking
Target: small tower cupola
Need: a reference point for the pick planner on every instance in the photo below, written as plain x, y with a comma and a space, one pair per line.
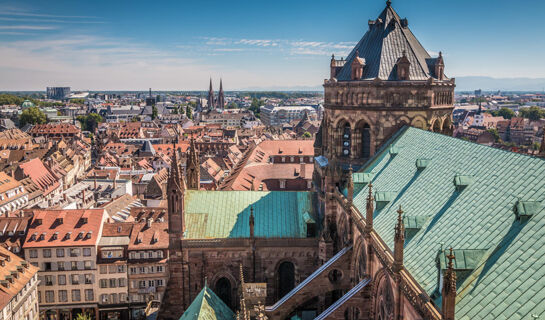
440, 67
403, 66
357, 66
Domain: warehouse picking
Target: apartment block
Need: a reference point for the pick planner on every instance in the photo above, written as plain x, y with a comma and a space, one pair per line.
63, 245
18, 288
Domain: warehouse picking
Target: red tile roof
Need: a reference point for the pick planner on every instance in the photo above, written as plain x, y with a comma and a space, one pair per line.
13, 265
42, 176
54, 128
153, 237
46, 230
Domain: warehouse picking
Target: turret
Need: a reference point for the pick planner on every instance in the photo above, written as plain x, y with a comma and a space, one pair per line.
399, 241
449, 289
193, 169
370, 211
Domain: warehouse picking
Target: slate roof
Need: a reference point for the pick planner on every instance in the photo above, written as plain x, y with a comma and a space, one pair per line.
147, 148
226, 214
383, 44
500, 255
208, 306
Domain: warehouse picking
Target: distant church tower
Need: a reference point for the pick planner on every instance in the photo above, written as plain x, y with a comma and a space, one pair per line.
193, 168
211, 102
221, 97
175, 297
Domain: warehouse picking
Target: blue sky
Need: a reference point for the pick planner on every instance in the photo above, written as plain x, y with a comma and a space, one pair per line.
178, 45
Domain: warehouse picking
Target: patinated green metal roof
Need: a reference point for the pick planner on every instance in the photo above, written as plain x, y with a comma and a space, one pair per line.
226, 214
208, 306
507, 281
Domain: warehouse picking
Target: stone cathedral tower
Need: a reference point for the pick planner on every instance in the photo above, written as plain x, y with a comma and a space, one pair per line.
174, 301
387, 81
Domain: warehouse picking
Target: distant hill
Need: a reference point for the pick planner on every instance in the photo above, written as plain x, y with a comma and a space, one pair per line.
503, 84
462, 84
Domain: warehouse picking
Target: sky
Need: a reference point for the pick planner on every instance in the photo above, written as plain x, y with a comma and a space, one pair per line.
179, 45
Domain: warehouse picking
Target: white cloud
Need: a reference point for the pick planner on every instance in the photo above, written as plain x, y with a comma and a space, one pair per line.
98, 63
258, 42
27, 27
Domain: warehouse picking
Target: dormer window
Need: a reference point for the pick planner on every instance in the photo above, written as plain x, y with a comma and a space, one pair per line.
59, 220
84, 220
42, 236
88, 235
33, 236
403, 67
67, 235
54, 236
80, 235
357, 66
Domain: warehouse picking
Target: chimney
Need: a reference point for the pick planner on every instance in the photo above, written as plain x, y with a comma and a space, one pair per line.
83, 196
115, 182
149, 222
302, 170
64, 196
399, 242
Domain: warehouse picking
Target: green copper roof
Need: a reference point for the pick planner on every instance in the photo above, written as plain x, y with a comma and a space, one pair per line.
208, 306
508, 280
226, 214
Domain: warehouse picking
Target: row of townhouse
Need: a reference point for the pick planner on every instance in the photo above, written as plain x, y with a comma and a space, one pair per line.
89, 266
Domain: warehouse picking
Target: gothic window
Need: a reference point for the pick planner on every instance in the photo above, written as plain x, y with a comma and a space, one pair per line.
366, 141
361, 264
223, 290
346, 140
285, 278
385, 302
437, 126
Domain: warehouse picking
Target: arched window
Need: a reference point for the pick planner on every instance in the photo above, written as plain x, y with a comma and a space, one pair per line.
223, 290
285, 278
366, 141
385, 301
363, 140
436, 126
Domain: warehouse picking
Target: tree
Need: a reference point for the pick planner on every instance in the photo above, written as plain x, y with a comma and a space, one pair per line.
532, 113
83, 316
536, 145
32, 115
188, 112
255, 107
495, 133
175, 110
78, 101
504, 112
307, 135
90, 122
154, 112
135, 119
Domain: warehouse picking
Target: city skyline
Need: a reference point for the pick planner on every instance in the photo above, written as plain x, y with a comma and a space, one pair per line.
175, 46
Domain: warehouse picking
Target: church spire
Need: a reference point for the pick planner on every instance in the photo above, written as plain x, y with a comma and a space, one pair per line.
221, 96
211, 102
193, 167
